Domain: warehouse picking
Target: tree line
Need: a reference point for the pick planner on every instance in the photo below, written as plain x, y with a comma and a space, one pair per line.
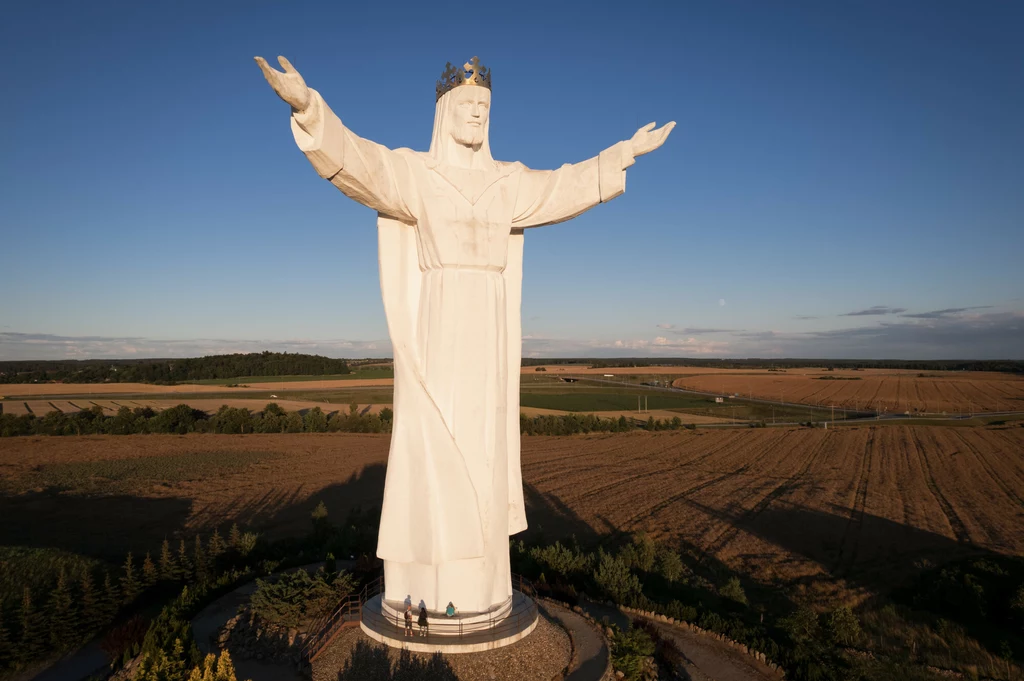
71, 612
184, 419
1004, 366
169, 371
573, 424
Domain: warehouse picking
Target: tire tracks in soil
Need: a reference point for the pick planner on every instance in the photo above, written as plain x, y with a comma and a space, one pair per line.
784, 481
952, 517
1007, 490
732, 529
651, 510
641, 475
664, 503
855, 524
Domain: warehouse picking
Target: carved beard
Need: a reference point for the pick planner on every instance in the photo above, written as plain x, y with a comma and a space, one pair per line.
469, 135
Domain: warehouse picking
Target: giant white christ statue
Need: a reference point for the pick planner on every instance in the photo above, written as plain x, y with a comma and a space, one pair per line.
450, 227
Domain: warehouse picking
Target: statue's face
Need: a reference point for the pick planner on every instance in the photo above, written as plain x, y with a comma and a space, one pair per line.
470, 109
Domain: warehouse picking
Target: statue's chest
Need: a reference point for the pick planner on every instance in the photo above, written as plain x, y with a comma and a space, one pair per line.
469, 223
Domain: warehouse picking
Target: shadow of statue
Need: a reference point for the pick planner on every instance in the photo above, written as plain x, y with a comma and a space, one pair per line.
372, 662
550, 519
864, 549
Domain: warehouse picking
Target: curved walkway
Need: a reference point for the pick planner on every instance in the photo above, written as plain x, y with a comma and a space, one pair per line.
707, 659
591, 650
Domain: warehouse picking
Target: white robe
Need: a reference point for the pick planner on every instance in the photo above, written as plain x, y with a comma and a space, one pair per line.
450, 253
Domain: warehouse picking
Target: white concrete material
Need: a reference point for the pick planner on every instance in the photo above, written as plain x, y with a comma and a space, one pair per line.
449, 636
450, 235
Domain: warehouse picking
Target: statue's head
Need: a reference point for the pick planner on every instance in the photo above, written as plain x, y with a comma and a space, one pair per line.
462, 114
469, 110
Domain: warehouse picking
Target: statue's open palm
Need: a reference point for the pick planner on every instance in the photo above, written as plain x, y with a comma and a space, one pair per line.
289, 85
647, 139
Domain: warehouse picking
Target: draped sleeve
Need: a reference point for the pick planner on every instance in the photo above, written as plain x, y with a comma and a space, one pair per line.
367, 172
550, 196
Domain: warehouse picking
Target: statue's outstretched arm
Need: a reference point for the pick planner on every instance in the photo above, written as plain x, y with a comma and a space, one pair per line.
550, 196
365, 171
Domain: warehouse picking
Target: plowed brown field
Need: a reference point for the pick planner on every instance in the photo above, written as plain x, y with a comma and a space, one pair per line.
873, 389
851, 507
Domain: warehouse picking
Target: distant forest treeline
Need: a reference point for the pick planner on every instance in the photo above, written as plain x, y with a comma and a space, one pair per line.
184, 419
1002, 365
167, 371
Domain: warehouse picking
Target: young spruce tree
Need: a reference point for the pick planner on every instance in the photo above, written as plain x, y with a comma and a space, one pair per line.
32, 641
149, 573
110, 600
90, 615
199, 560
214, 549
129, 580
61, 616
234, 537
168, 569
184, 564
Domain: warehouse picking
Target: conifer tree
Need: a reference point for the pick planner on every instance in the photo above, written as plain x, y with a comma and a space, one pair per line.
225, 667
215, 549
129, 580
61, 616
90, 615
159, 666
184, 564
110, 601
234, 536
214, 668
149, 573
6, 645
31, 644
199, 560
167, 566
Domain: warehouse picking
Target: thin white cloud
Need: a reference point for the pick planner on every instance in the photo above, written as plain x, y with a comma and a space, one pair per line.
953, 333
20, 346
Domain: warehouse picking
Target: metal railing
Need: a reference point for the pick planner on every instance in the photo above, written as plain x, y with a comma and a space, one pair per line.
323, 630
350, 611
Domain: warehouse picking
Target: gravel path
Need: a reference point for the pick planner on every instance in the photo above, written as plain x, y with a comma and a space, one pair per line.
355, 657
591, 651
714, 661
707, 659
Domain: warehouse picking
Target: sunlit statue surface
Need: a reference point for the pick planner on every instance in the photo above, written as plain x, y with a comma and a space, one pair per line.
450, 235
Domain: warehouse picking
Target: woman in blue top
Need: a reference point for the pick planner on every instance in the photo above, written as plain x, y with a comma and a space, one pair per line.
450, 610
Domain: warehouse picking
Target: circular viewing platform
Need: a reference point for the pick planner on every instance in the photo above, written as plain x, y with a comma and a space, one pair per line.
464, 633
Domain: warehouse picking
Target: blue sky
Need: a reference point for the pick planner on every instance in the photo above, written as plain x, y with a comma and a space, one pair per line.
845, 179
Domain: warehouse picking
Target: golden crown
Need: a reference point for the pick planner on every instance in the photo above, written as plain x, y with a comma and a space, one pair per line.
471, 73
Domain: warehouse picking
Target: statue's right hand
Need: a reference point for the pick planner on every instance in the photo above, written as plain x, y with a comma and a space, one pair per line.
289, 85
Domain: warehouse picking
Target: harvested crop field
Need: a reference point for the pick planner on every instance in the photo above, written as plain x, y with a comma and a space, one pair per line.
856, 508
30, 390
873, 389
663, 414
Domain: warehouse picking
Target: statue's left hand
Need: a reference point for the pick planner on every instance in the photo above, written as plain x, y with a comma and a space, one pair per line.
647, 139
289, 85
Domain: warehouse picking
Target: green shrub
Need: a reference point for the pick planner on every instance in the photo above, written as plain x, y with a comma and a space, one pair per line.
734, 591
669, 565
614, 578
630, 650
843, 626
